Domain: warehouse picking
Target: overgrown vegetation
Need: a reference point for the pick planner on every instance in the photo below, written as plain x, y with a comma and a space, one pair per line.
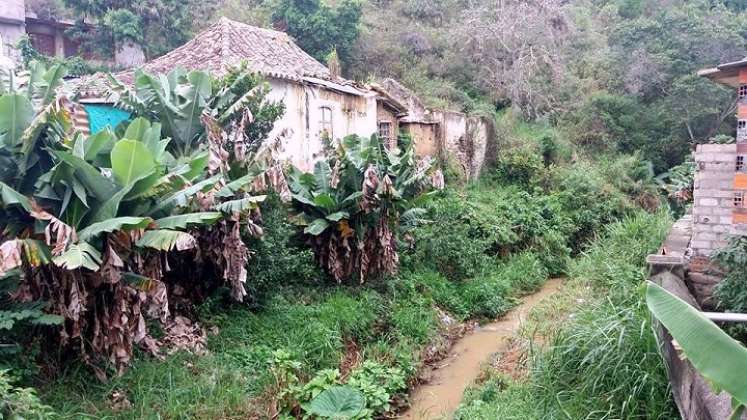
601, 360
304, 343
604, 100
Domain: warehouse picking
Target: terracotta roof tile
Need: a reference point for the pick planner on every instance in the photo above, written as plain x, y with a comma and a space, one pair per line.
226, 43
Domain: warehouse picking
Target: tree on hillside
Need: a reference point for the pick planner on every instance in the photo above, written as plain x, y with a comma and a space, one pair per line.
319, 28
158, 25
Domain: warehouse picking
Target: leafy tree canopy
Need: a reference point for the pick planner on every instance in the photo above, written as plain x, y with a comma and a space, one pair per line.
158, 25
319, 28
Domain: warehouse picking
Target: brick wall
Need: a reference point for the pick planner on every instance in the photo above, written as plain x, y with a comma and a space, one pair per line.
713, 196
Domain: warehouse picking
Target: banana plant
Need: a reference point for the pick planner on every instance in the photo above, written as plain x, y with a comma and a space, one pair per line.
180, 99
719, 358
352, 204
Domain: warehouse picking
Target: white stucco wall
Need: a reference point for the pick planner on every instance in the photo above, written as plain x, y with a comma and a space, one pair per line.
302, 119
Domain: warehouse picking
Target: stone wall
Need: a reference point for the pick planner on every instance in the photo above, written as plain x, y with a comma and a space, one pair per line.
713, 197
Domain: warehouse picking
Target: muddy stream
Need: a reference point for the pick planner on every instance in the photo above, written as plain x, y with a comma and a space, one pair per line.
440, 397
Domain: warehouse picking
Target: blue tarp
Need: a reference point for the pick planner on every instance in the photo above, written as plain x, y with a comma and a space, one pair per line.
100, 116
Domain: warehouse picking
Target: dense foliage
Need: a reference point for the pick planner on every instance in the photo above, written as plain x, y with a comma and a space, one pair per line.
159, 26
731, 292
94, 224
616, 75
356, 203
318, 27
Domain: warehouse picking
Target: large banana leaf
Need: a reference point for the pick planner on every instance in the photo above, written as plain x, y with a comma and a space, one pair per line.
118, 223
80, 255
195, 95
52, 79
10, 196
181, 221
240, 205
322, 176
131, 160
16, 113
167, 240
718, 357
181, 197
101, 187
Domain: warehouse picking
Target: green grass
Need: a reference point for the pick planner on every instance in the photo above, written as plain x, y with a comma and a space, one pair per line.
390, 323
601, 361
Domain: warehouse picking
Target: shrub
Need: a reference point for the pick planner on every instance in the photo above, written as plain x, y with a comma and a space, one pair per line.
279, 258
520, 166
487, 296
376, 383
589, 201
731, 292
20, 403
524, 272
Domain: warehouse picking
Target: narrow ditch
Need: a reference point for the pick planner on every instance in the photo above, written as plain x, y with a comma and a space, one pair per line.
440, 397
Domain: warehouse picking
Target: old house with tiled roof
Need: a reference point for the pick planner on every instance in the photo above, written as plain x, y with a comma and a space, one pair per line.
317, 102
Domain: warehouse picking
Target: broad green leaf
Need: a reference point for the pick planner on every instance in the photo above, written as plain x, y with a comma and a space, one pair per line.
181, 197
167, 240
136, 129
337, 216
718, 357
189, 126
181, 221
352, 197
325, 200
80, 255
322, 175
10, 196
145, 184
111, 225
240, 205
109, 208
337, 402
197, 165
102, 187
316, 227
303, 199
52, 79
102, 141
131, 160
16, 113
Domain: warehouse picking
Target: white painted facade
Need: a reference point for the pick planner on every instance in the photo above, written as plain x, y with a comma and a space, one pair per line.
310, 109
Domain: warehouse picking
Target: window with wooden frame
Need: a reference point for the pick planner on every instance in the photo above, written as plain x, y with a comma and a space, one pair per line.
325, 122
742, 91
739, 199
385, 132
740, 163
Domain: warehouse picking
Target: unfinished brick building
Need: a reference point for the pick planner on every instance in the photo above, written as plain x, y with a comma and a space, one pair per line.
719, 209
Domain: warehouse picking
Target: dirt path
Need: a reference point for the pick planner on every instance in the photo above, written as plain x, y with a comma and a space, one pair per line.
440, 397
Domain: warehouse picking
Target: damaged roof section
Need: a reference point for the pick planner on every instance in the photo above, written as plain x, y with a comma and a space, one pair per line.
414, 107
